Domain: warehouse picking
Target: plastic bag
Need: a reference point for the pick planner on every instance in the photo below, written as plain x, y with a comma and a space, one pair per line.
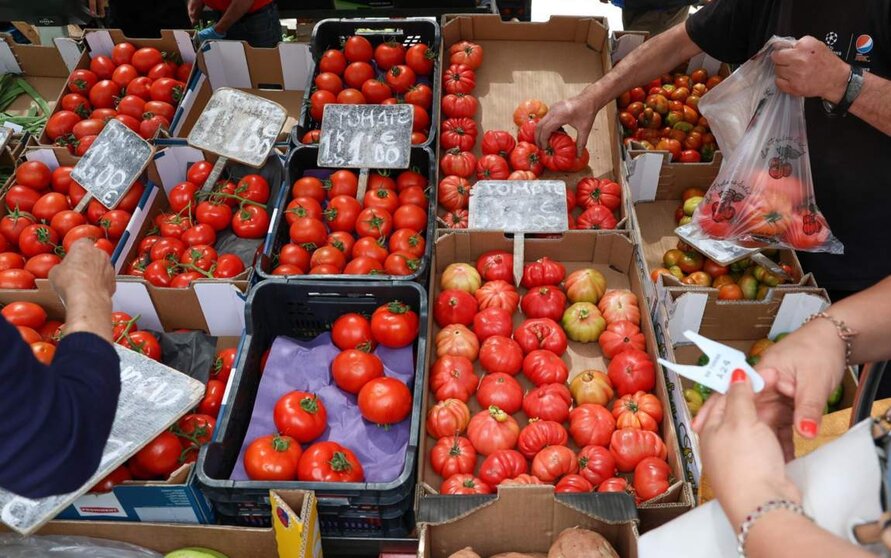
763, 194
16, 546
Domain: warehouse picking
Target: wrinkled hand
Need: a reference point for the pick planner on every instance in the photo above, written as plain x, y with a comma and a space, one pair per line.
810, 69
195, 9
85, 269
577, 112
740, 453
97, 7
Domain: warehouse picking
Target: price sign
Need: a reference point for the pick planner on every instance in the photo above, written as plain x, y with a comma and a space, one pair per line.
520, 207
238, 126
152, 398
111, 165
366, 136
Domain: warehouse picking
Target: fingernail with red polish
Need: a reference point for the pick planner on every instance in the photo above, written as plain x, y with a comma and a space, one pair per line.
808, 428
739, 375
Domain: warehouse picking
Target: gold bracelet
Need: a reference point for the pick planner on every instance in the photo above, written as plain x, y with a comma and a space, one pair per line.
845, 333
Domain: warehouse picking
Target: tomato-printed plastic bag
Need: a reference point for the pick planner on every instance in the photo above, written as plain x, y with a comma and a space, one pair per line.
764, 193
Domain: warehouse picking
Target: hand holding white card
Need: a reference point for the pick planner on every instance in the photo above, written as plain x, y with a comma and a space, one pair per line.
722, 361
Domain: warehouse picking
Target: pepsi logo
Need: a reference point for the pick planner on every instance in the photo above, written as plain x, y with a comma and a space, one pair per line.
863, 44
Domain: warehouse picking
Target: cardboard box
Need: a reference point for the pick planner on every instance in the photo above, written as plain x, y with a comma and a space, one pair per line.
522, 519
43, 67
612, 253
294, 534
550, 61
654, 223
101, 42
279, 74
735, 323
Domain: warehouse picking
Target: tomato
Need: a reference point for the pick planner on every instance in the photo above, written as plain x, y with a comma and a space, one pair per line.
376, 91
593, 191
26, 314
458, 133
632, 371
333, 61
541, 333
452, 455
640, 410
294, 256
194, 431
147, 344
77, 103
526, 156
302, 207
530, 110
145, 59
651, 478
464, 484
158, 273
409, 241
389, 54
131, 105
448, 417
351, 96
385, 401
467, 53
492, 167
492, 322
11, 260
553, 462
272, 458
355, 75
308, 232
539, 434
452, 377
228, 265
341, 183
21, 198
41, 264
542, 272
502, 465
358, 48
420, 95
400, 78
806, 231
49, 205
544, 367
114, 223
372, 248
182, 196
454, 306
560, 153
217, 215
250, 221
61, 123
548, 402
162, 109
573, 483
104, 94
114, 478
81, 81
629, 446
459, 78
38, 239
301, 416
596, 217
591, 386
454, 192
374, 222
352, 331
410, 217
456, 219
128, 121
458, 163
502, 391
167, 90
591, 425
150, 126
544, 302
223, 363
491, 430
17, 279
596, 464
160, 457
457, 340
33, 174
620, 304
621, 336
198, 172
501, 354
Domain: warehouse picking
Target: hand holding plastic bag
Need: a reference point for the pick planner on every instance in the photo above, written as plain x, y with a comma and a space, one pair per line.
764, 192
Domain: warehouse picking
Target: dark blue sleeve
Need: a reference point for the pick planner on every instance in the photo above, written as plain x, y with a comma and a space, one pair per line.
55, 419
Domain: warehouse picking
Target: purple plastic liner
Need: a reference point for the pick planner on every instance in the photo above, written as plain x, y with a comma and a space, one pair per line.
305, 366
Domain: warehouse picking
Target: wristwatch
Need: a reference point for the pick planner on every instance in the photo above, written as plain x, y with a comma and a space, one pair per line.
852, 91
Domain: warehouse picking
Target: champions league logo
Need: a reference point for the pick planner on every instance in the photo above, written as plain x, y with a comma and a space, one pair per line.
830, 39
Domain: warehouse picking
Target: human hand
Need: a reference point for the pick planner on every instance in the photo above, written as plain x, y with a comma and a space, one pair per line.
195, 9
740, 453
810, 69
578, 112
97, 7
209, 33
85, 269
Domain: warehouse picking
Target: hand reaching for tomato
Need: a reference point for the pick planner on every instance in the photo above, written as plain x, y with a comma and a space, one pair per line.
85, 282
578, 112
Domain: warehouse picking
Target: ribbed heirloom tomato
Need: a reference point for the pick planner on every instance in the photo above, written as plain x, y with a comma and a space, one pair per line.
502, 465
591, 425
491, 322
453, 455
448, 418
452, 377
501, 354
539, 434
492, 429
548, 402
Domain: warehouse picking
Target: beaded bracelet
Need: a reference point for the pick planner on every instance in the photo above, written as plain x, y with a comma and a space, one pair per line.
760, 511
845, 333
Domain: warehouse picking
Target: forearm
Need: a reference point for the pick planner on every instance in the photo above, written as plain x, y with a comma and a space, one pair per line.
869, 314
872, 104
90, 311
653, 58
236, 11
785, 533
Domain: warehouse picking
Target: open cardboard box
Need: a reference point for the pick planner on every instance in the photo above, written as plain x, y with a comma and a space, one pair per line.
101, 42
294, 534
612, 253
551, 61
279, 74
521, 519
43, 67
174, 499
735, 323
654, 223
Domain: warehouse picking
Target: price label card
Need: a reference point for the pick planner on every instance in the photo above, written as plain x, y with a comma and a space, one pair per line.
153, 396
519, 206
238, 126
111, 165
366, 136
722, 251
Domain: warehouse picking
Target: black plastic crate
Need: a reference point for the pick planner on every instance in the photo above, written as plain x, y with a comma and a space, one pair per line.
303, 311
332, 33
304, 158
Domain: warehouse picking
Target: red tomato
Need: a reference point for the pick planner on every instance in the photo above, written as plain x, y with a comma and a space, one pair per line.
77, 103
452, 377
403, 264
149, 127
103, 94
145, 59
453, 455
544, 302
161, 456
329, 462
272, 458
548, 402
540, 434
309, 187
21, 198
501, 354
650, 478
160, 108
410, 217
114, 223
122, 53
217, 215
408, 240
632, 371
26, 314
554, 462
544, 367
81, 81
593, 191
131, 105
502, 391
332, 60
140, 86
641, 410
591, 425
33, 174
459, 78
341, 213
352, 331
502, 465
250, 221
301, 416
38, 239
198, 172
352, 369
374, 222
447, 418
466, 52
629, 446
111, 480
454, 306
194, 431
356, 74
167, 90
129, 122
48, 205
491, 322
596, 464
420, 58
385, 401
491, 430
464, 484
543, 272
499, 294
541, 333
421, 95
228, 266
370, 247
213, 398
61, 123
358, 48
496, 264
16, 279
11, 260
454, 192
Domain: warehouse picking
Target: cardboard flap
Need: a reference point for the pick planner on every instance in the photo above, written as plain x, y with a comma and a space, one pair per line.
226, 64
8, 62
186, 103
184, 43
436, 508
686, 313
131, 234
607, 507
626, 42
223, 307
69, 50
45, 156
795, 308
643, 175
296, 65
172, 163
703, 60
100, 43
133, 298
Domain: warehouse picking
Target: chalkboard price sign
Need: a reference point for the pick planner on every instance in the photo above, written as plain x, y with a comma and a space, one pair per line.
111, 165
152, 398
519, 206
366, 136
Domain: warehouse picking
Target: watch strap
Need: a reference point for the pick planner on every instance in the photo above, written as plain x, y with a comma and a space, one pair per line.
852, 91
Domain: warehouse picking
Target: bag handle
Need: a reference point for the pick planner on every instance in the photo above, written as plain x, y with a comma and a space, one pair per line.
867, 387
